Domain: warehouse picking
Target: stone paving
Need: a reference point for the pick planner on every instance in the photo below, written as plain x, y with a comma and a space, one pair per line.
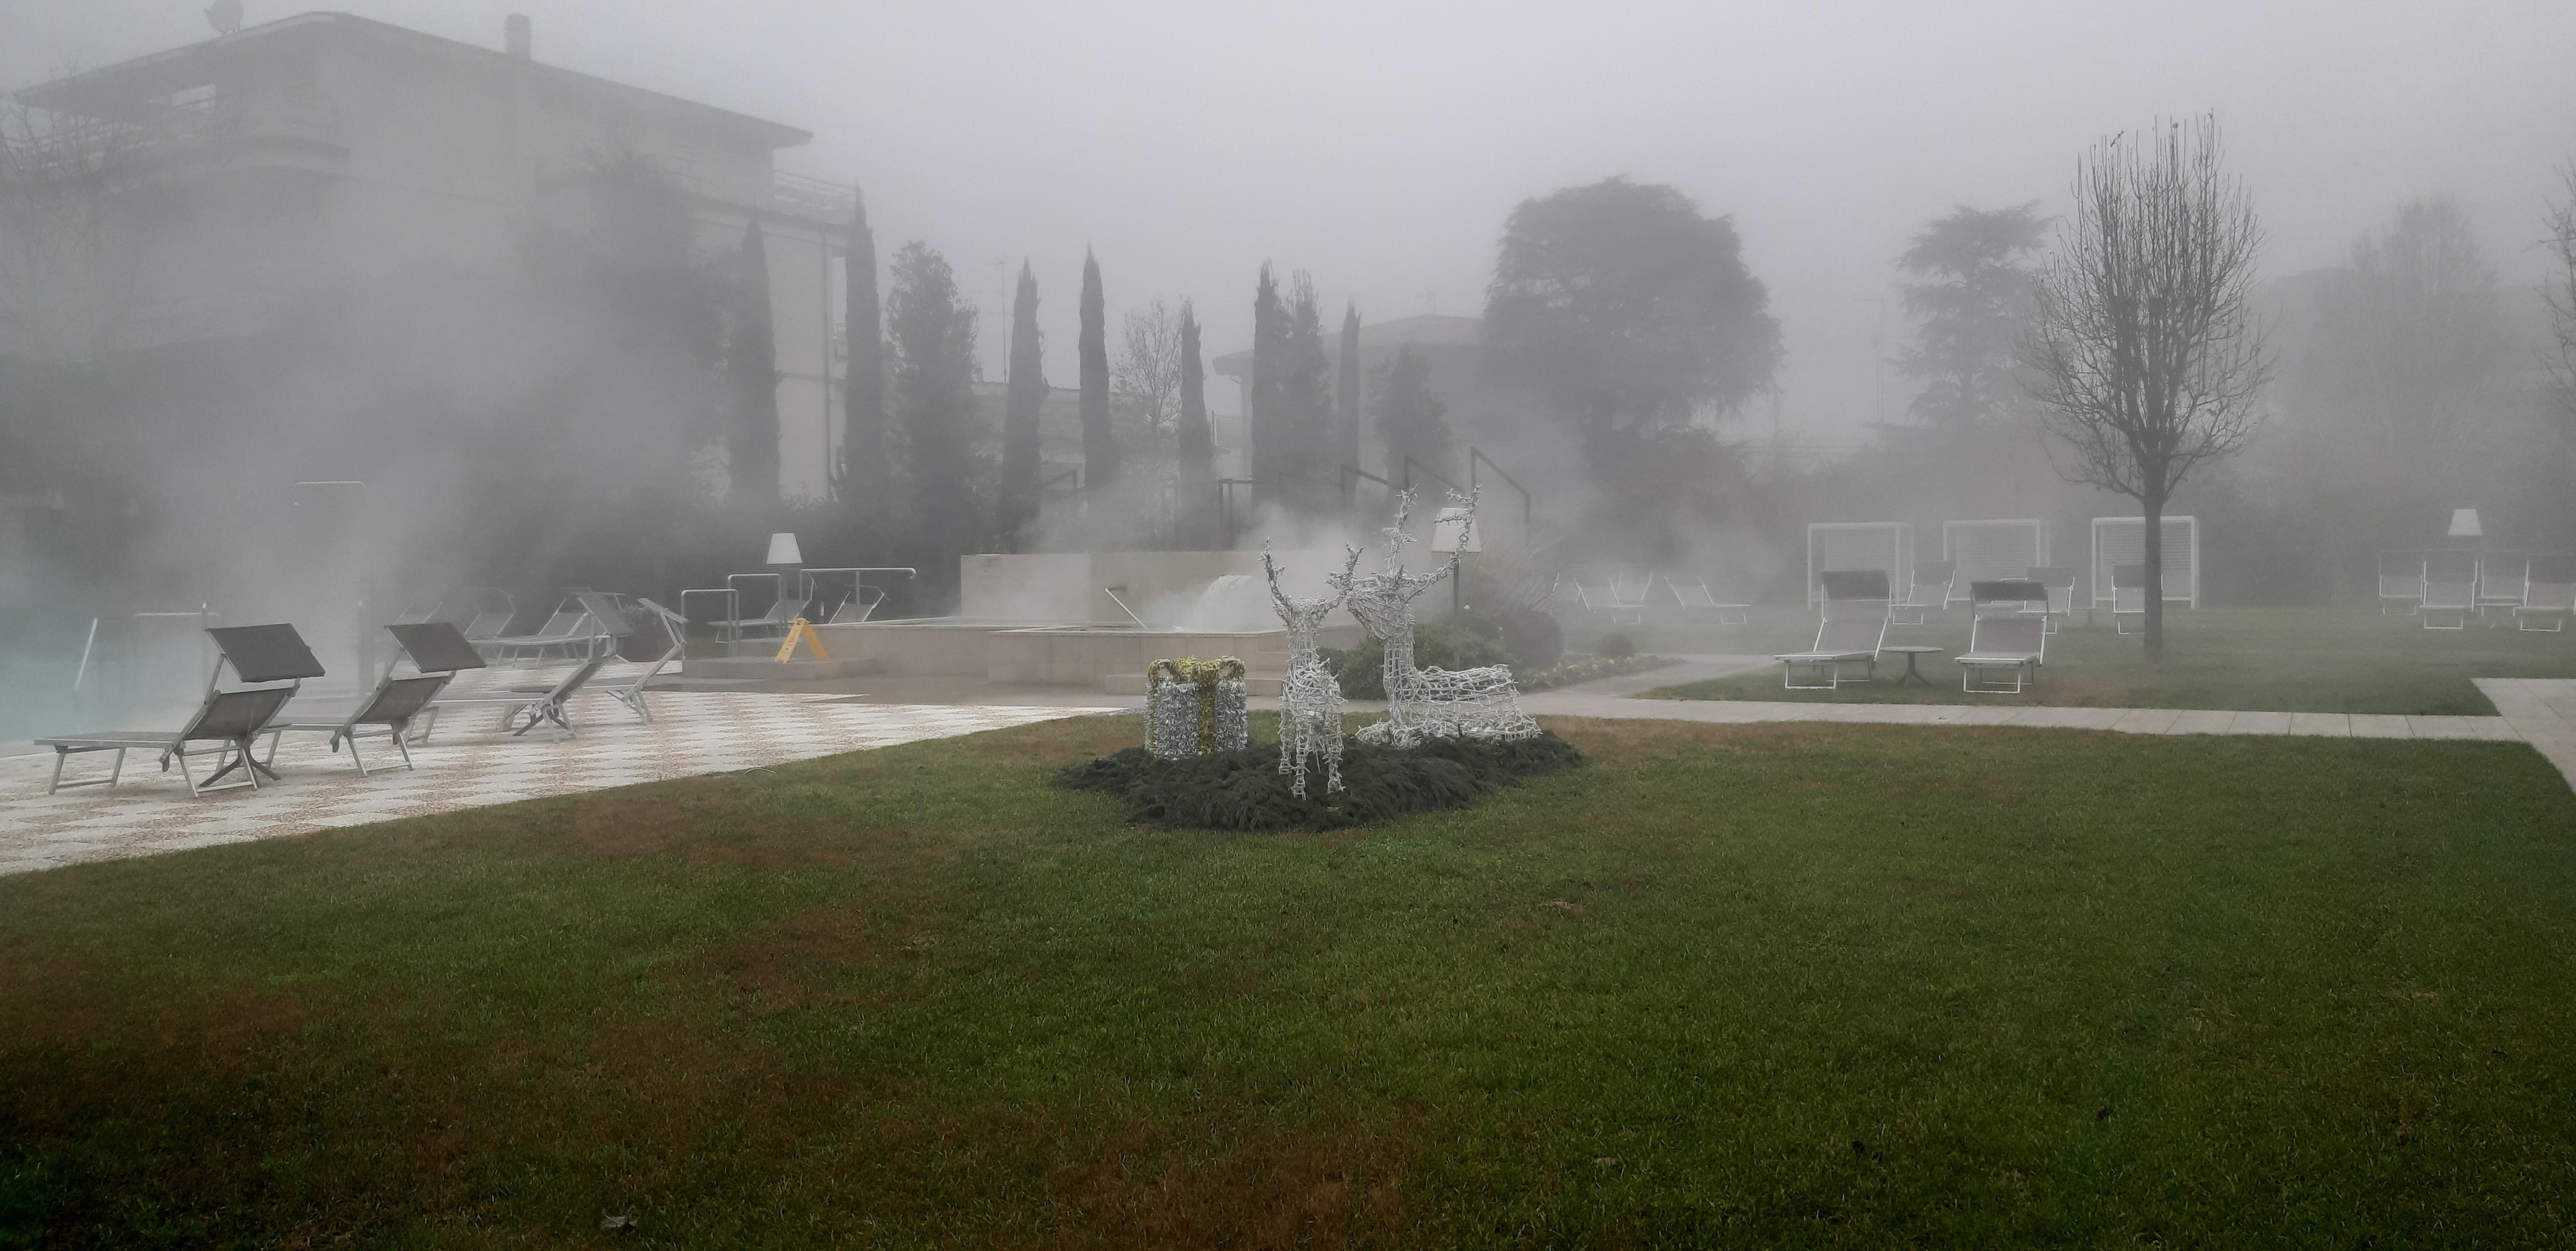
465, 764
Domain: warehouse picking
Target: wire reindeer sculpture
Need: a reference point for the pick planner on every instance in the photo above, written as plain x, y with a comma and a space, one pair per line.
1428, 703
1310, 699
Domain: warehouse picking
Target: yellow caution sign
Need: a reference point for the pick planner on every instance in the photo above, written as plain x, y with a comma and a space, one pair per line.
802, 629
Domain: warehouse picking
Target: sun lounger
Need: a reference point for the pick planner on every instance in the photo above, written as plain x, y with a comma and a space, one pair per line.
2502, 579
1611, 599
1694, 596
2450, 590
2129, 598
628, 689
271, 660
437, 650
1853, 628
547, 703
2401, 583
2549, 595
2059, 582
2004, 637
569, 628
1930, 589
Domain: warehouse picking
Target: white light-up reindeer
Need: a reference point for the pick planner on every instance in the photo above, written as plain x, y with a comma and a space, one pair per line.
1310, 700
1428, 703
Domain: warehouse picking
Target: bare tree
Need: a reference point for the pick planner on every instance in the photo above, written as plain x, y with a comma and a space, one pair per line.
2562, 291
2146, 355
1149, 371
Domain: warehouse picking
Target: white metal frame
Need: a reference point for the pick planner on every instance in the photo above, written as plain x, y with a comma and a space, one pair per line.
2401, 588
2024, 535
1897, 562
2132, 550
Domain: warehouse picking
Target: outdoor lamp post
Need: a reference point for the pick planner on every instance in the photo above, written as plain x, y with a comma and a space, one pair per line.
2464, 524
787, 559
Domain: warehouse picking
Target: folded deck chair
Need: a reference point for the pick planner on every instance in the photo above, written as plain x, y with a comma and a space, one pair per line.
437, 650
2502, 579
858, 607
2450, 590
1930, 589
547, 703
2059, 582
628, 689
2004, 636
2401, 583
2129, 598
271, 660
1694, 596
1853, 628
2549, 595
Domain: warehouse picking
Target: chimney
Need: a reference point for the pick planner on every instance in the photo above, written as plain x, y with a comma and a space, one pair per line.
515, 37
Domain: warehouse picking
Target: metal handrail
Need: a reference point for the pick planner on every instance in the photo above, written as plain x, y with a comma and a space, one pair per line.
732, 609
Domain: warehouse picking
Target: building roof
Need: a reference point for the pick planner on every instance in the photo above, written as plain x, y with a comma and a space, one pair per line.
119, 89
1427, 330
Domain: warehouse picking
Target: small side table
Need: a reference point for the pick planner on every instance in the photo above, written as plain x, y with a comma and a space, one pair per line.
1910, 652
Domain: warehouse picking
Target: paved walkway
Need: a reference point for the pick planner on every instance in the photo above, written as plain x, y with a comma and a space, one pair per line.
465, 764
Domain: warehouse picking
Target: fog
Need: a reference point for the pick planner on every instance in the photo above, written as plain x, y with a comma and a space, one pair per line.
547, 412
1379, 146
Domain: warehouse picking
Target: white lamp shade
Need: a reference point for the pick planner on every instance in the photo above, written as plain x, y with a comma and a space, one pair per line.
2464, 524
782, 550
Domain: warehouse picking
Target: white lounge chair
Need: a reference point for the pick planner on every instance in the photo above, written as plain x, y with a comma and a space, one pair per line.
1612, 599
628, 689
2004, 636
1930, 589
2549, 595
1694, 596
271, 659
2502, 579
2059, 582
548, 703
2129, 598
2401, 583
2450, 590
1853, 628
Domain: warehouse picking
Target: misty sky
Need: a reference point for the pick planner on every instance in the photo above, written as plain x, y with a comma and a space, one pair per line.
1381, 145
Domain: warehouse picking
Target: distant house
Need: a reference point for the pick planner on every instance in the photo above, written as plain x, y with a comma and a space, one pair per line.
324, 148
1484, 409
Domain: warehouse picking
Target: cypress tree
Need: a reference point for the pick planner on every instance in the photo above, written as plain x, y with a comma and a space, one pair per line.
1305, 401
1197, 439
751, 379
1262, 413
1028, 392
1346, 404
931, 335
863, 470
1099, 445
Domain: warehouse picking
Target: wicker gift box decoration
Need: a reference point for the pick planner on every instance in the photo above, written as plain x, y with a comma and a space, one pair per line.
1195, 707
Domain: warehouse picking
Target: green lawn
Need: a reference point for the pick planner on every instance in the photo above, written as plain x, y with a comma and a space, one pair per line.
1762, 986
2261, 659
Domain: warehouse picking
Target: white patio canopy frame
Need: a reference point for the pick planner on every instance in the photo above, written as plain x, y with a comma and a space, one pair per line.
2123, 541
1839, 546
1992, 551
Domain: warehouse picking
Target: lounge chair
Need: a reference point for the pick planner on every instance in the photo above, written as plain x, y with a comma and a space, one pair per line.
2503, 577
1694, 596
1611, 599
1853, 628
628, 689
570, 626
1929, 589
2549, 595
2004, 636
271, 660
438, 651
2450, 590
2129, 598
2059, 582
2401, 583
547, 703
782, 613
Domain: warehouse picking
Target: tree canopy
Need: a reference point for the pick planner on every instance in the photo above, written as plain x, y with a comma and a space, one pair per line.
1974, 303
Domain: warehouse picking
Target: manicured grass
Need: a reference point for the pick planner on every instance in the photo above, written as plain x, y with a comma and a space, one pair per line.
2260, 659
1761, 986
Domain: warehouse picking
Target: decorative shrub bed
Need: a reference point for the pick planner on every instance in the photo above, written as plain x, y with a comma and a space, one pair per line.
1244, 790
